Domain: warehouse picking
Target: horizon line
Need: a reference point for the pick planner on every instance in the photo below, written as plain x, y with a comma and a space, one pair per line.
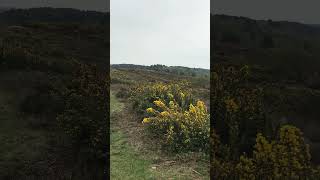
263, 19
160, 64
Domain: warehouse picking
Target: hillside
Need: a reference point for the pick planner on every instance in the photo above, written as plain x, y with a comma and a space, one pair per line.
47, 58
283, 59
138, 73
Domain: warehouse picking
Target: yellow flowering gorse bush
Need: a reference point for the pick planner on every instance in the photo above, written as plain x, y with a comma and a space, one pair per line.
180, 130
238, 108
170, 113
286, 157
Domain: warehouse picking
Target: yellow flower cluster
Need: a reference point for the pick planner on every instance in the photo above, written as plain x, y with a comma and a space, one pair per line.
150, 110
182, 95
146, 120
173, 114
159, 103
231, 105
287, 157
181, 126
165, 114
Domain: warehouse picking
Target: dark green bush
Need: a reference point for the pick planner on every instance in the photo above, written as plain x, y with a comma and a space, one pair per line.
85, 114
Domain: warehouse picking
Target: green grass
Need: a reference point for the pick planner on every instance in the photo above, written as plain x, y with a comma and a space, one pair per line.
125, 162
115, 105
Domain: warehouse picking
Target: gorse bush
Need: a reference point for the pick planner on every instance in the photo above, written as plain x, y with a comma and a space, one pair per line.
286, 157
172, 114
237, 107
85, 114
144, 95
180, 130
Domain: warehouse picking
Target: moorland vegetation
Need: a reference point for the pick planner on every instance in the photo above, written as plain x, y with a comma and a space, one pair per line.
264, 91
54, 94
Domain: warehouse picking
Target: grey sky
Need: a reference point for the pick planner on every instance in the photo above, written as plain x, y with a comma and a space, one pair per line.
97, 5
170, 32
288, 10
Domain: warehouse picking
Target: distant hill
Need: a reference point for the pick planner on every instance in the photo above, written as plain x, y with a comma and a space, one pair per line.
177, 70
248, 32
53, 15
289, 50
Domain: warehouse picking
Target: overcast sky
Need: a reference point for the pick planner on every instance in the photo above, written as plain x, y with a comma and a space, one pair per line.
305, 11
97, 5
169, 32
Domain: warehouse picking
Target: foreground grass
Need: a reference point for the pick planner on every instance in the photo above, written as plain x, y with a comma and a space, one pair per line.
24, 148
125, 162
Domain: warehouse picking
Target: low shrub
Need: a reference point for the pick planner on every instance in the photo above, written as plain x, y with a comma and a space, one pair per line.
172, 115
238, 107
286, 157
85, 116
179, 129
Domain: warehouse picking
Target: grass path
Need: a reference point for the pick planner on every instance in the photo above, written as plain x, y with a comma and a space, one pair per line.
125, 162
